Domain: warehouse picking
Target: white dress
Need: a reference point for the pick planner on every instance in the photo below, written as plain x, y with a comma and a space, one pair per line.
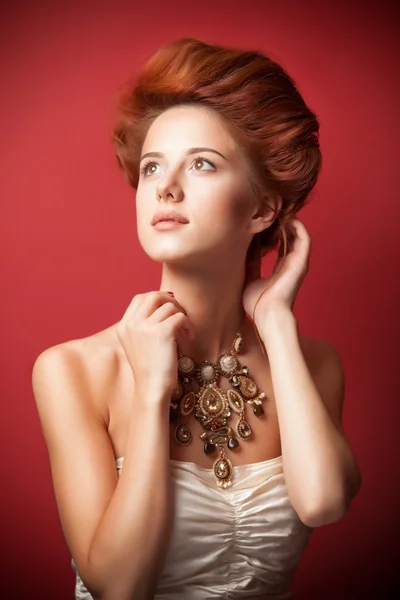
243, 542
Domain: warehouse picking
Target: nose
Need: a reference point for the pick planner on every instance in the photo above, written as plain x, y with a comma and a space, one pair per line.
169, 189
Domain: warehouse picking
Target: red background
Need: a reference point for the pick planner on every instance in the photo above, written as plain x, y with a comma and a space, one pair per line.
71, 261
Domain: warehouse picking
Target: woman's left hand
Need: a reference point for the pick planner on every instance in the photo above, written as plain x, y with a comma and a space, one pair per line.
283, 292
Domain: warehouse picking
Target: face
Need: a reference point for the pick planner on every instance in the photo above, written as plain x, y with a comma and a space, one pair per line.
191, 164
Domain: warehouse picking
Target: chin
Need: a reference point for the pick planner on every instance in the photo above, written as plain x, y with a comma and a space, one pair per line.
188, 252
166, 255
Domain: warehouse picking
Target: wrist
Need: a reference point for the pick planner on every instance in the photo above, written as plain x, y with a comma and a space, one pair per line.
151, 397
276, 320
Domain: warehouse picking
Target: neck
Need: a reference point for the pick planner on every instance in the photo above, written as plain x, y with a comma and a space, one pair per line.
213, 304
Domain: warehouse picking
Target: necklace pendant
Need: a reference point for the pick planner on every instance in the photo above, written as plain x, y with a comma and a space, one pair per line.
178, 391
223, 471
235, 401
187, 404
243, 429
209, 448
217, 436
232, 443
228, 364
212, 402
237, 345
212, 406
186, 366
258, 410
207, 373
183, 435
248, 387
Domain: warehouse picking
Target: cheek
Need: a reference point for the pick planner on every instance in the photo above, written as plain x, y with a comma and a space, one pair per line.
143, 217
143, 210
235, 209
228, 199
241, 207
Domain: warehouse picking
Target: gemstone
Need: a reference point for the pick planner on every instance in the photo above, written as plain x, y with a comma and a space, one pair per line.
209, 448
228, 364
183, 435
208, 372
187, 403
258, 410
243, 429
222, 469
235, 401
215, 424
248, 387
177, 392
212, 403
186, 364
232, 443
238, 342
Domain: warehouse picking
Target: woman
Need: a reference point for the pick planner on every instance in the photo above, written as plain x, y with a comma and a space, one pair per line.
195, 444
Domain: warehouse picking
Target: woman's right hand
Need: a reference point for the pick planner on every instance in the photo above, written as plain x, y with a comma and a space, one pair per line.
148, 333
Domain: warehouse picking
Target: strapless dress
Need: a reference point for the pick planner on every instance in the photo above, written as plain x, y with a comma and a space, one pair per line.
242, 542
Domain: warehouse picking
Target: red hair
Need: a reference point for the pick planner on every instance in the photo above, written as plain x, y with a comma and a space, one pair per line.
260, 103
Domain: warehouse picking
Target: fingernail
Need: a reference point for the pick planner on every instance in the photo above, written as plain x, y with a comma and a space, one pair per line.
170, 293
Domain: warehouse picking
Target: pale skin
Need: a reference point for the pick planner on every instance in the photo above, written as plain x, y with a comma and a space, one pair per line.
107, 396
206, 291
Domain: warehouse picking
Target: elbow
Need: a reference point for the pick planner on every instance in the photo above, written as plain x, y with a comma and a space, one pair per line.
330, 510
323, 514
106, 581
112, 593
140, 589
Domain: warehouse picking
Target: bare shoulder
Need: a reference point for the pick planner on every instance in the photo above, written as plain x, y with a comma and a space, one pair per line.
70, 383
95, 360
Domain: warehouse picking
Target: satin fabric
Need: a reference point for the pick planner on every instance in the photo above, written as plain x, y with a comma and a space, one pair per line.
242, 542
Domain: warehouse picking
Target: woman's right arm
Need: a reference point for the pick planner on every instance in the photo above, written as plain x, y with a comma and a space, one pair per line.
117, 531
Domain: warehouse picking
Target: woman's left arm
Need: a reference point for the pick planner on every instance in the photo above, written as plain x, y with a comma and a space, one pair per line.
320, 469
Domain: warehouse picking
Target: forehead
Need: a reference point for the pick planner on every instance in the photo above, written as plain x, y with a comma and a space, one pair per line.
186, 126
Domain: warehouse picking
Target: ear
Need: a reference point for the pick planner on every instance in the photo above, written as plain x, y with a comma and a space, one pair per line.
265, 212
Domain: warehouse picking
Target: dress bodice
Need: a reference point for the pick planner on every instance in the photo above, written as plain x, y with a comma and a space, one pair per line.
242, 542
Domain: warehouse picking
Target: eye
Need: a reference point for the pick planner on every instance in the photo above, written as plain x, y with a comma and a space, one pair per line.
199, 160
148, 167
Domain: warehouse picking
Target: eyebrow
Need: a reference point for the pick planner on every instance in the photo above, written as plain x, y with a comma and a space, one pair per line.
190, 151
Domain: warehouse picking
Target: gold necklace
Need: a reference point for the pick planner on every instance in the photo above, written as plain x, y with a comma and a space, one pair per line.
212, 406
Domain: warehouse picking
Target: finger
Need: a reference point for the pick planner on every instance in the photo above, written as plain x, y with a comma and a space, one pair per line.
301, 240
291, 231
163, 312
143, 305
299, 230
179, 324
157, 299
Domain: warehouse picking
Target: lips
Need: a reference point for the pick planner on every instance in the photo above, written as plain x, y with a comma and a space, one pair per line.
170, 215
